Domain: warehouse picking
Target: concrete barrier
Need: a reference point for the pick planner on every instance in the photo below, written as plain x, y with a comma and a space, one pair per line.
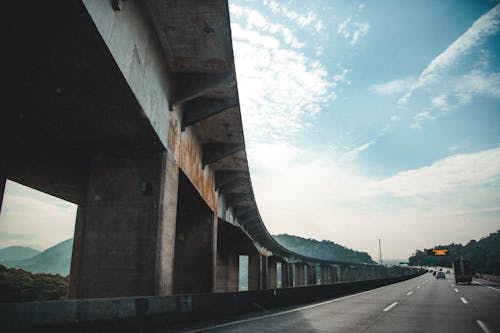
133, 313
489, 277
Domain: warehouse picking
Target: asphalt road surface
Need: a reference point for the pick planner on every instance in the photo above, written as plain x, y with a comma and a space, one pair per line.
422, 304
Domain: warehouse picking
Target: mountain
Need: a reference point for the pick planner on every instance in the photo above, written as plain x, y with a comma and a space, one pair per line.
17, 253
484, 255
324, 249
54, 260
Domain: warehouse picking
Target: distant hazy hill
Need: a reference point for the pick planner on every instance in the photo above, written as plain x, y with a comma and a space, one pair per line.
54, 260
17, 253
326, 250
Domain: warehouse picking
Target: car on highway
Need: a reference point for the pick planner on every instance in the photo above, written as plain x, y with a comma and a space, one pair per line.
440, 275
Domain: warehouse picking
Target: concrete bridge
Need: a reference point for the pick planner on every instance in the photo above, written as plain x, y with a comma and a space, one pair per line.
130, 110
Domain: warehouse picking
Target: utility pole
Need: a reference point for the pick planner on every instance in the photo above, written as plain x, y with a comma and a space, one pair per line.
380, 261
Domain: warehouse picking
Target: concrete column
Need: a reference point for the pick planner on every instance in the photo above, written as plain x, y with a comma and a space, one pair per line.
299, 274
285, 275
264, 280
125, 228
194, 248
325, 274
291, 275
228, 267
254, 275
311, 275
2, 191
272, 273
346, 277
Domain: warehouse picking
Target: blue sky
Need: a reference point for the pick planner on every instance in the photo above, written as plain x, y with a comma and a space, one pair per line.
363, 120
372, 119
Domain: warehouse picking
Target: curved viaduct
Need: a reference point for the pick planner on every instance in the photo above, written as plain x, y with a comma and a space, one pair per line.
130, 109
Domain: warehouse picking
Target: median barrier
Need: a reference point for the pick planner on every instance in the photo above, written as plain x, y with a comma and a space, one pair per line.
148, 312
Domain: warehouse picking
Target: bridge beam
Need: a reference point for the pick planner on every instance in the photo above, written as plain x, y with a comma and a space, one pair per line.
202, 108
213, 152
192, 85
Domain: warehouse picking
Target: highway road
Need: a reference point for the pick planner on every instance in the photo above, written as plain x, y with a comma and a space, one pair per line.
422, 304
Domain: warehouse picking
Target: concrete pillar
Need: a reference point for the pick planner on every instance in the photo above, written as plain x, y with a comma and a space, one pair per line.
254, 274
125, 228
299, 274
311, 275
291, 275
193, 262
272, 273
228, 268
2, 191
325, 274
285, 275
264, 280
346, 274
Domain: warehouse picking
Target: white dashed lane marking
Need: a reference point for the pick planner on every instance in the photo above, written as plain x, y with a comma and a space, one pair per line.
456, 290
409, 293
463, 300
390, 306
483, 326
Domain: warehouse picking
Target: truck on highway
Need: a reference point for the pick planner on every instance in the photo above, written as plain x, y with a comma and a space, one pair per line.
463, 272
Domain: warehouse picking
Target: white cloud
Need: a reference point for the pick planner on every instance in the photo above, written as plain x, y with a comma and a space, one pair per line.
281, 90
441, 102
459, 90
452, 174
353, 31
485, 26
422, 117
308, 20
256, 21
44, 220
331, 200
319, 50
392, 87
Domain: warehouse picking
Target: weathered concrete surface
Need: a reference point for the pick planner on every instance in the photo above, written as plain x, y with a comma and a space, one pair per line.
116, 241
231, 243
193, 262
140, 313
136, 49
254, 271
299, 274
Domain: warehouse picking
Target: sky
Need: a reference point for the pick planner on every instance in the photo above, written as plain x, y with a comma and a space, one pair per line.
362, 120
372, 119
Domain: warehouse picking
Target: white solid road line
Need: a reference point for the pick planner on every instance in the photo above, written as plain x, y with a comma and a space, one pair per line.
409, 293
483, 326
463, 300
390, 306
493, 288
456, 290
281, 313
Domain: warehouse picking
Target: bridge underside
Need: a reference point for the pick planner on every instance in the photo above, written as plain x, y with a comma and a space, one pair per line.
133, 115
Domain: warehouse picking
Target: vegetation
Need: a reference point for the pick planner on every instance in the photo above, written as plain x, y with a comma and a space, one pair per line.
17, 285
326, 250
484, 255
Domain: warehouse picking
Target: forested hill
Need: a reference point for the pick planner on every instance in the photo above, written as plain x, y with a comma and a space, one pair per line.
484, 255
326, 250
